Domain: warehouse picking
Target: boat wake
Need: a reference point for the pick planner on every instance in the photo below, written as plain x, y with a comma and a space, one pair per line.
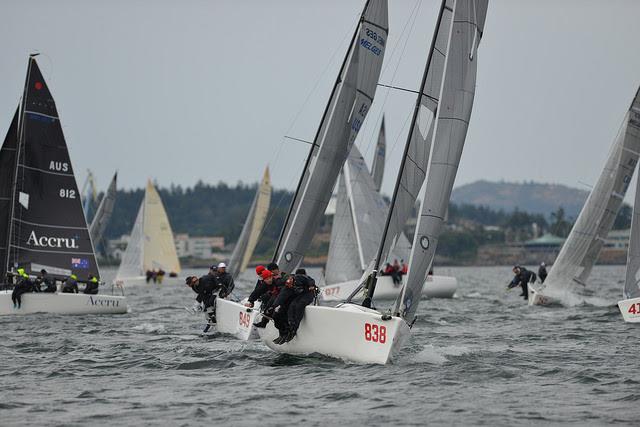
438, 355
150, 328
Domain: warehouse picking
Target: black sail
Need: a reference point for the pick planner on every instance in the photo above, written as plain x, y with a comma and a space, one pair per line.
48, 228
7, 175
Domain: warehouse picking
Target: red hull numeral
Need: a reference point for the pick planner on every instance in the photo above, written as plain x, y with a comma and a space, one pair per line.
634, 308
245, 319
375, 333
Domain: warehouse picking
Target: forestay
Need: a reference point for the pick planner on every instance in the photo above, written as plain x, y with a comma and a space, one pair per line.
631, 288
581, 250
460, 42
377, 167
103, 213
346, 110
252, 227
46, 224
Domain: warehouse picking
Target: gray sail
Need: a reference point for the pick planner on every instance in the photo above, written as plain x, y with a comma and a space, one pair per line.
343, 260
103, 213
631, 288
377, 167
416, 157
452, 120
580, 252
347, 108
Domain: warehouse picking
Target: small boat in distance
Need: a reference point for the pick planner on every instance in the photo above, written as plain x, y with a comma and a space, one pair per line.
151, 246
42, 222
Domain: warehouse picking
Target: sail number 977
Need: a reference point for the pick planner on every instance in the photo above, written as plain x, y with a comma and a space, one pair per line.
634, 308
67, 193
375, 333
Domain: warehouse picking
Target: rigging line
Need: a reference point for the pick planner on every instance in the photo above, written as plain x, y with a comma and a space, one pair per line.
399, 88
298, 139
414, 16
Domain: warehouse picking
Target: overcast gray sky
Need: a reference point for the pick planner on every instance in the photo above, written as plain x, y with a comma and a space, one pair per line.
186, 90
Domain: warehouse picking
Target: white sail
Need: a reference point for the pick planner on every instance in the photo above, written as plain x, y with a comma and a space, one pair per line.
631, 282
131, 264
252, 227
103, 213
159, 246
377, 167
460, 42
581, 250
347, 108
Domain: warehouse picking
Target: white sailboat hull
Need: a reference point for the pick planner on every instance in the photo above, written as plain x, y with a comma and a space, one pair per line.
349, 332
434, 287
630, 309
536, 297
235, 319
60, 303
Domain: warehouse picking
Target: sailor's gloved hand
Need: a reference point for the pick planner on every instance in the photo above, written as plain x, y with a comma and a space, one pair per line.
277, 309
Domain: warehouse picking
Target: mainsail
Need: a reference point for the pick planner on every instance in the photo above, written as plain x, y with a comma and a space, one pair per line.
345, 112
151, 245
377, 167
103, 213
7, 176
252, 227
581, 250
45, 226
461, 38
631, 288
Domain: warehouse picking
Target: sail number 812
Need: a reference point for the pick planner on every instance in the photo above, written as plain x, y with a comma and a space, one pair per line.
375, 333
67, 193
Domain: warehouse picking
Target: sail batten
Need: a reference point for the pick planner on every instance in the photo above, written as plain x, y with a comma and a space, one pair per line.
346, 110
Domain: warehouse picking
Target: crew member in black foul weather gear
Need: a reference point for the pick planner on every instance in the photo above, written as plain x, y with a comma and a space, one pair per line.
522, 277
542, 272
260, 289
70, 286
299, 291
23, 286
225, 280
46, 283
92, 285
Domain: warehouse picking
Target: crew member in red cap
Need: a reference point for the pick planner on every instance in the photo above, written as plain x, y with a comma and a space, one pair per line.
259, 289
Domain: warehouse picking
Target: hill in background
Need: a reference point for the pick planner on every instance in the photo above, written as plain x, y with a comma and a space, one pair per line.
535, 198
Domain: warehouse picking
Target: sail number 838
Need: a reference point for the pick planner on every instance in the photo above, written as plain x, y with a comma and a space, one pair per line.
375, 333
67, 193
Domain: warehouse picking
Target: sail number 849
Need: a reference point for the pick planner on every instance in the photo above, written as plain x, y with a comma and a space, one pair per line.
375, 333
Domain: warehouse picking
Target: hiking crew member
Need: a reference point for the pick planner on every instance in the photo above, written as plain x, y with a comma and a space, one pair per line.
70, 286
92, 285
542, 272
224, 280
275, 281
23, 286
522, 277
298, 292
260, 289
48, 282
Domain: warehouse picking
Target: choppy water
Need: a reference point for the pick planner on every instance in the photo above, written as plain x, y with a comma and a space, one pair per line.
482, 358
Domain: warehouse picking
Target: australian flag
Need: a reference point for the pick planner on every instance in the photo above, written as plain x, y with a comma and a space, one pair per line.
80, 263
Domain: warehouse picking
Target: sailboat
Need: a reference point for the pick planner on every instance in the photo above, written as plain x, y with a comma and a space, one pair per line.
630, 305
357, 227
42, 223
233, 317
151, 245
103, 212
580, 252
360, 333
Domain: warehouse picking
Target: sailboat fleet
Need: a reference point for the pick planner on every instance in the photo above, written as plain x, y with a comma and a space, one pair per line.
43, 225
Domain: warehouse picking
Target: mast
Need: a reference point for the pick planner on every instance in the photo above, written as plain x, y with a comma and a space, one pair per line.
371, 284
315, 139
